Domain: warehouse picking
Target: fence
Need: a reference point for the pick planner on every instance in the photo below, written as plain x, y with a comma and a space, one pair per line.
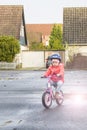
38, 58
5, 65
28, 59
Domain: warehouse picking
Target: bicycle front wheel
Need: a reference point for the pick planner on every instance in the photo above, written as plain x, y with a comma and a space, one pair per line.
46, 99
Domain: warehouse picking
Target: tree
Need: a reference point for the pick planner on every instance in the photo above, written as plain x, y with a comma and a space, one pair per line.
9, 47
56, 38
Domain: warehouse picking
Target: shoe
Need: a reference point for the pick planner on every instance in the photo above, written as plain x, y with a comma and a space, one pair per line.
57, 95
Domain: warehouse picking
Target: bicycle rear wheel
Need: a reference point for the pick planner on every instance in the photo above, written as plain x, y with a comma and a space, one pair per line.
59, 97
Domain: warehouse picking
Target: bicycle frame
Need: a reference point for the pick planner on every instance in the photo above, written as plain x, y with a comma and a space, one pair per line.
50, 88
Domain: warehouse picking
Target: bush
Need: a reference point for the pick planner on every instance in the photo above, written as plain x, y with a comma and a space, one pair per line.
9, 47
36, 46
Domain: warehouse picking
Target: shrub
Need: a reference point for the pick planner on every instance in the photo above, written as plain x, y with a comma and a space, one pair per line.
9, 47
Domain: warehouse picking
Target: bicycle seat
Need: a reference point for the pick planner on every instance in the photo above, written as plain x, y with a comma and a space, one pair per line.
54, 84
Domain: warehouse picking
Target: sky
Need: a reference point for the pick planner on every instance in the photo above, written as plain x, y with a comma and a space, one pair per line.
44, 11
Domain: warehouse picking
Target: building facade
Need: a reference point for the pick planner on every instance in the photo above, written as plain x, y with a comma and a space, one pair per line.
43, 30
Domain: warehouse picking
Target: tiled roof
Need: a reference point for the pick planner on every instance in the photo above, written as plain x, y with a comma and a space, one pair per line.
45, 29
10, 20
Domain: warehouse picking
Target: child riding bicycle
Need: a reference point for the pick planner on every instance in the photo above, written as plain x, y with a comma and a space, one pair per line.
56, 71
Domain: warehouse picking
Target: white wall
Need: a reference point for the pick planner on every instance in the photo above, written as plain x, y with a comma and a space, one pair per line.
32, 59
74, 50
36, 58
83, 50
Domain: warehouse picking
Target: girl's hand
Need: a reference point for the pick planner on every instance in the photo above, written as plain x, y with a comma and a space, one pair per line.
58, 75
43, 76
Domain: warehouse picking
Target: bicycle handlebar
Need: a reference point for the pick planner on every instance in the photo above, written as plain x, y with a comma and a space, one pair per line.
50, 76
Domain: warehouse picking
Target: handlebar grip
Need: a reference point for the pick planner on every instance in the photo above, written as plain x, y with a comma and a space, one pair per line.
43, 76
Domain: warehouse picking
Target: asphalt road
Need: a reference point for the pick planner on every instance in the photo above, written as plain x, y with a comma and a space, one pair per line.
21, 107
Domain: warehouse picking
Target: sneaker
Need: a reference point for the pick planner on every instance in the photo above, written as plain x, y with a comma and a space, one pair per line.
57, 95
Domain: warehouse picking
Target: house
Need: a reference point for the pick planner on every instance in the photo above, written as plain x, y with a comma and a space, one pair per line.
12, 23
43, 29
75, 35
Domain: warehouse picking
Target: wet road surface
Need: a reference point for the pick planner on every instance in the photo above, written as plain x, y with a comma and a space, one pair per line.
21, 107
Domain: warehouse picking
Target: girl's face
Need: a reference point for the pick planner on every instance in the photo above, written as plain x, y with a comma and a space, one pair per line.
55, 62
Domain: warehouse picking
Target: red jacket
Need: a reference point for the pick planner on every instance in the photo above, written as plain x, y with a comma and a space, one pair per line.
57, 70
